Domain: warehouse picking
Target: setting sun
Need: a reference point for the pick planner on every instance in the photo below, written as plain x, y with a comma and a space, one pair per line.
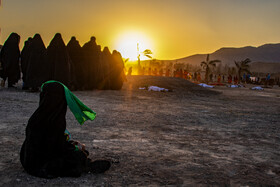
127, 44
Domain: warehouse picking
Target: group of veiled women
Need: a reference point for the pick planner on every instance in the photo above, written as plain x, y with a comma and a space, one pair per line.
79, 68
48, 150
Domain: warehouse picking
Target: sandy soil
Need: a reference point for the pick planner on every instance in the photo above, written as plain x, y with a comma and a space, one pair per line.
189, 137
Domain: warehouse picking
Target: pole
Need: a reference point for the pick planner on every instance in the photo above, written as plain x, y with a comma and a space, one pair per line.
138, 57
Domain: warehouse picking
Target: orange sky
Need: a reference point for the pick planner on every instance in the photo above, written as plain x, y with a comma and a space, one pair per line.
170, 28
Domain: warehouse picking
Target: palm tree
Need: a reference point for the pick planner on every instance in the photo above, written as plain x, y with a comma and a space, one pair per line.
242, 66
207, 65
147, 53
125, 60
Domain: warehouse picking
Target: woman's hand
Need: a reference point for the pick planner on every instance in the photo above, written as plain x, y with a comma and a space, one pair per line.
81, 146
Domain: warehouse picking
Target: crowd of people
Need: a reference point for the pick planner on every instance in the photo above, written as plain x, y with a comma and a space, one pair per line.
180, 73
215, 78
80, 68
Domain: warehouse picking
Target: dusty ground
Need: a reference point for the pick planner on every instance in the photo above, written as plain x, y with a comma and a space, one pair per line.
189, 137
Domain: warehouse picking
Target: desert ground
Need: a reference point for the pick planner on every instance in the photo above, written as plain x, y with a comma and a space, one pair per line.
191, 136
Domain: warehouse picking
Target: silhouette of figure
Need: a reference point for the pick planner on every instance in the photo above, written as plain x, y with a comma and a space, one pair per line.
167, 73
91, 55
175, 73
155, 72
25, 53
198, 77
47, 151
9, 58
235, 80
105, 69
143, 71
211, 77
78, 63
59, 60
229, 79
244, 78
181, 74
117, 72
149, 71
219, 78
267, 79
185, 74
37, 69
129, 71
160, 72
190, 76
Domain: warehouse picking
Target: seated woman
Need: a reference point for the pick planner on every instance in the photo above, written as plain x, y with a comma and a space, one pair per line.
47, 151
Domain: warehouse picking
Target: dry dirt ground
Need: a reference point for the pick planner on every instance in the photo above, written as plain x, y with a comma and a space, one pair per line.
189, 137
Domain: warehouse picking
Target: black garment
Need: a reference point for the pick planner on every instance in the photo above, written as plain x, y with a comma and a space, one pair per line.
77, 58
9, 58
45, 151
91, 53
59, 60
105, 69
117, 75
1, 69
37, 70
24, 56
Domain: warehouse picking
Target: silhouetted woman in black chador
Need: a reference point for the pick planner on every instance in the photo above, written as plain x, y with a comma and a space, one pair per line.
47, 152
9, 58
105, 69
24, 56
117, 75
91, 53
37, 69
77, 58
59, 60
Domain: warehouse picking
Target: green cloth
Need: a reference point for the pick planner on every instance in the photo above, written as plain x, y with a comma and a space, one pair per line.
81, 112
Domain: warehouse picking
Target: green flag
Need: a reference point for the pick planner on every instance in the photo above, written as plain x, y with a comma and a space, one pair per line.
81, 112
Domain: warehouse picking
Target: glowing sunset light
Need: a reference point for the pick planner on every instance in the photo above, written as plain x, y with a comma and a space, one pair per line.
171, 29
126, 44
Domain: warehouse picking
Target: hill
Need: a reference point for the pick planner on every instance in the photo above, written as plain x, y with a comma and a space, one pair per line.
265, 67
266, 53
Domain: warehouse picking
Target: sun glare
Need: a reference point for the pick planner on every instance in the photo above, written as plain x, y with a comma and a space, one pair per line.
127, 45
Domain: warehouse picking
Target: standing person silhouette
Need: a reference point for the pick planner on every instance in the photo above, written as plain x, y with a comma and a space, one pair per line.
9, 58
37, 66
59, 61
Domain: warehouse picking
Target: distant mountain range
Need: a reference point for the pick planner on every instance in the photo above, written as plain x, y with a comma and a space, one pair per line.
265, 53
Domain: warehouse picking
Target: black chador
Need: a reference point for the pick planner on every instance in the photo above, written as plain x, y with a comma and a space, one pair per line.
9, 58
47, 152
77, 59
24, 56
37, 69
117, 71
105, 69
92, 54
59, 60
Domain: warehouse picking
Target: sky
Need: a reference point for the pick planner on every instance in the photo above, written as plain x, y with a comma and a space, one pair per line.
171, 29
